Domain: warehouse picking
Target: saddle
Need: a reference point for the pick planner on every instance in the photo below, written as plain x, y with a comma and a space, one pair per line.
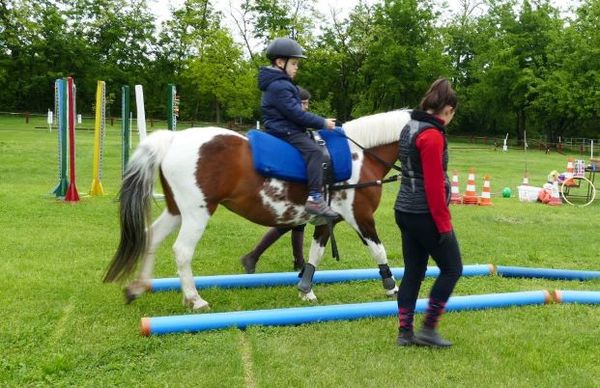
273, 157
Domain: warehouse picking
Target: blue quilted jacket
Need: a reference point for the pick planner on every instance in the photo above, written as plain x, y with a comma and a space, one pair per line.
280, 104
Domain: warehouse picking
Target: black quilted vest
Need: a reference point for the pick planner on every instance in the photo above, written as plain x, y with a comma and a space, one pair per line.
411, 196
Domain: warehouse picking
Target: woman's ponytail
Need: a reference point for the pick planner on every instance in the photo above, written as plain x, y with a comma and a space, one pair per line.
439, 95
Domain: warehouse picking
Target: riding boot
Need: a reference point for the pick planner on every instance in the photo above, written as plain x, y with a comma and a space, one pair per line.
428, 335
406, 336
306, 278
250, 259
298, 249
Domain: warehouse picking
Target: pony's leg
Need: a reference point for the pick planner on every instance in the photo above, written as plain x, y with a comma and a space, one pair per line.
193, 223
160, 229
315, 255
367, 232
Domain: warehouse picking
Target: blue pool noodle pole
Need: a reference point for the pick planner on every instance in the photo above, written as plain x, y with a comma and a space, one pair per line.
546, 273
585, 297
300, 315
290, 278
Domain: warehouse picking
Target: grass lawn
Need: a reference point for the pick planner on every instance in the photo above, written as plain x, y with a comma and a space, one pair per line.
62, 326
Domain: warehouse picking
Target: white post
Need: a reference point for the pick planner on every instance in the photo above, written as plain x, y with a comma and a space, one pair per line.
79, 118
130, 128
257, 124
141, 114
50, 120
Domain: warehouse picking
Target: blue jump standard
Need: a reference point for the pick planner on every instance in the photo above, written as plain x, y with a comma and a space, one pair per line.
301, 315
290, 278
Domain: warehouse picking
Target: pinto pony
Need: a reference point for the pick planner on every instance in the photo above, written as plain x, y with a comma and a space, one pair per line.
200, 168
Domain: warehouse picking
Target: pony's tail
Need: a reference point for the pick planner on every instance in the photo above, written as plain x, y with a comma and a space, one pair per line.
135, 200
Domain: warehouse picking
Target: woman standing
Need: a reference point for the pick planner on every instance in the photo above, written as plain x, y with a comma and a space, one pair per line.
423, 216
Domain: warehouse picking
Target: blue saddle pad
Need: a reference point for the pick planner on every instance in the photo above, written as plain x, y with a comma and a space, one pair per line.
276, 158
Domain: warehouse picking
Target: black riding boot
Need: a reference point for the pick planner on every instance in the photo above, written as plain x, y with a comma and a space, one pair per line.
428, 335
250, 259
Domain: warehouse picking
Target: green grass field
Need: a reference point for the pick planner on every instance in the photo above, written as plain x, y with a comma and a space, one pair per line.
61, 326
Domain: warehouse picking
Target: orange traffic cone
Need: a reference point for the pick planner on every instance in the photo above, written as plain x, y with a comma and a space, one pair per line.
555, 196
570, 169
455, 197
470, 196
525, 179
486, 194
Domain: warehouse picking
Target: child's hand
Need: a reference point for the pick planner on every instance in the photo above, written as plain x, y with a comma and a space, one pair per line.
329, 123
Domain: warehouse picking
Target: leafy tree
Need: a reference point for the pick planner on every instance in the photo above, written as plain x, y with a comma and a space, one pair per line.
219, 77
404, 56
271, 18
510, 60
569, 97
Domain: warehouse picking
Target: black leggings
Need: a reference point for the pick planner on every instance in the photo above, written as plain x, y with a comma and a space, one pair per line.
420, 239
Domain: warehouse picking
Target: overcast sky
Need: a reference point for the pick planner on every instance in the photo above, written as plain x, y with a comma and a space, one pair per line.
342, 8
161, 8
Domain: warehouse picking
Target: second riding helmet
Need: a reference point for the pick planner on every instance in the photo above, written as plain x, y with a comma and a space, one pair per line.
284, 48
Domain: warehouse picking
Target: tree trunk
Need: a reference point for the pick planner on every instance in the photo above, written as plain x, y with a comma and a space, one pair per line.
218, 111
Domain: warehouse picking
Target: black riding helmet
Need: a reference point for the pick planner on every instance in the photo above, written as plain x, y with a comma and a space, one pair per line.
284, 48
304, 94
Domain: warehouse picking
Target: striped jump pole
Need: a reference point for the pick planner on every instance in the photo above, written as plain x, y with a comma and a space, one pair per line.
302, 315
172, 107
99, 128
72, 194
291, 278
60, 103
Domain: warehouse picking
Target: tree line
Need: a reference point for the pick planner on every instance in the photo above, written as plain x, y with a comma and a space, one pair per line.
517, 65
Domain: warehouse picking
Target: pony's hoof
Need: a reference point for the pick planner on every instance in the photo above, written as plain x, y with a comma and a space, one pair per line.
130, 295
391, 293
308, 296
196, 304
201, 306
135, 289
389, 284
249, 263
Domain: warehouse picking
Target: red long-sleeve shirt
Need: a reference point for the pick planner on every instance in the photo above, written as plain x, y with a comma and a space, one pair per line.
430, 144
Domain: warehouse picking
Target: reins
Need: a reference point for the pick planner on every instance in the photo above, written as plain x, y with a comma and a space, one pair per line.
366, 151
377, 182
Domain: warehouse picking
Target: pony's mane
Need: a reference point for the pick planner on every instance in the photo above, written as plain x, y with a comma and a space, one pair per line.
378, 129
